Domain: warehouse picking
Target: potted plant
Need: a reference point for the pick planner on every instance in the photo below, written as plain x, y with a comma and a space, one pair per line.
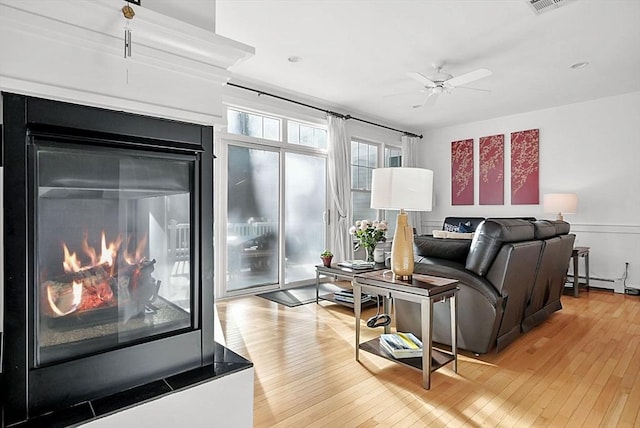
326, 257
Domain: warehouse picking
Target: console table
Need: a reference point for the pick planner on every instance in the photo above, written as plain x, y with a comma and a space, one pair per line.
341, 272
423, 289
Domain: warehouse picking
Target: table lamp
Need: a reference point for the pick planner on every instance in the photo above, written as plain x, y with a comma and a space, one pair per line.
559, 203
406, 189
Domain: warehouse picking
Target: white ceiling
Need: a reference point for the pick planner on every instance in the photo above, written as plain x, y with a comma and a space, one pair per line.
356, 53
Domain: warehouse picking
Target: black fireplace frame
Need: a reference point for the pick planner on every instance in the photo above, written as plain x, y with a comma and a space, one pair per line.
27, 390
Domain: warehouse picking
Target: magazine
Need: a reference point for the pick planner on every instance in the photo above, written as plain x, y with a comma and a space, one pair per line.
347, 296
401, 345
357, 264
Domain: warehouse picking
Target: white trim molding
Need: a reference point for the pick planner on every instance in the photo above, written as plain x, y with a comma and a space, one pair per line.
73, 50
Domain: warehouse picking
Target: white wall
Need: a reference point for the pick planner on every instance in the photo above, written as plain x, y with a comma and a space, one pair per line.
591, 149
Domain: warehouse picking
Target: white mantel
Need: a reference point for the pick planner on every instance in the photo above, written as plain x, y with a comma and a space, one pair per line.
73, 50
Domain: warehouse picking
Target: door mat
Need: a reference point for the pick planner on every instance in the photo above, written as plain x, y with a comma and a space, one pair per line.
298, 296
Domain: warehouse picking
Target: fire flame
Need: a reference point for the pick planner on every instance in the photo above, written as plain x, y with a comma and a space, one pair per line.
91, 286
108, 254
71, 262
139, 254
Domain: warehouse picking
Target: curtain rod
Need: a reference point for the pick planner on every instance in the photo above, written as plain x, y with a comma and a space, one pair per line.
333, 113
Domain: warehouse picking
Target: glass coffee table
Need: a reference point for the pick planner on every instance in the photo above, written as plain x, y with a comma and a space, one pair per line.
345, 273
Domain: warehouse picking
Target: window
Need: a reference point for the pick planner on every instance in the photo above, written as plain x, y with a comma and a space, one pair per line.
253, 125
276, 200
392, 156
306, 135
364, 159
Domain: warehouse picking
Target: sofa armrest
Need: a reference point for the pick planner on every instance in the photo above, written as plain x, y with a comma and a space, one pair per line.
455, 270
442, 248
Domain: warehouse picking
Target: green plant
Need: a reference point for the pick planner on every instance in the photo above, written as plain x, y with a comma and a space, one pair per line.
326, 253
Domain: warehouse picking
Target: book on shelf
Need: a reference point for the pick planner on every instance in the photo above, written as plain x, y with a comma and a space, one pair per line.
401, 345
357, 264
345, 296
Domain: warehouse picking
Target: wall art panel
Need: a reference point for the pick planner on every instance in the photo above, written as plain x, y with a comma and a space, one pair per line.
492, 170
462, 172
525, 167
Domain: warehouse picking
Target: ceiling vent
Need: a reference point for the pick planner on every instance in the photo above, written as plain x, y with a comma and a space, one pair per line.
541, 6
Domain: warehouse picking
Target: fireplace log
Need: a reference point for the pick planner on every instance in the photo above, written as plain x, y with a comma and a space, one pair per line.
62, 296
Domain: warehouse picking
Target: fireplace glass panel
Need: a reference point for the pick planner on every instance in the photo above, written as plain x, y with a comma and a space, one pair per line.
113, 249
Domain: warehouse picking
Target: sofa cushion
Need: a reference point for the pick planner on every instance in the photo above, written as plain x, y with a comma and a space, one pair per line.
447, 249
544, 229
452, 235
489, 237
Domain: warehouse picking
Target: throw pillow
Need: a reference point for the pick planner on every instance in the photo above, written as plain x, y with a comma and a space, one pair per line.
451, 228
465, 227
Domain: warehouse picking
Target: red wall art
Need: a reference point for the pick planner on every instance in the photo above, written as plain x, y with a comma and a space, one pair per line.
525, 167
492, 170
462, 172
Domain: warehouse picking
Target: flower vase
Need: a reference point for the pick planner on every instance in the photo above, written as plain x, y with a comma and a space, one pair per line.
369, 253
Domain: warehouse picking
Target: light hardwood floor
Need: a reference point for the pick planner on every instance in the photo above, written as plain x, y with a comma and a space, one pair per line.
580, 368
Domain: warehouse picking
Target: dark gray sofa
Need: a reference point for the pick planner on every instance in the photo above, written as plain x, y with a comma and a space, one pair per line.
511, 279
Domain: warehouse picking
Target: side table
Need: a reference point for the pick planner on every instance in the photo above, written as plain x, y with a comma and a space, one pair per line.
423, 289
576, 254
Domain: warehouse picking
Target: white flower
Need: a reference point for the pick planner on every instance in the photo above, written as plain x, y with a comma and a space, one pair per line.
352, 230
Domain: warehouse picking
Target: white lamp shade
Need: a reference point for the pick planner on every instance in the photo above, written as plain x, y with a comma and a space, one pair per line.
410, 189
565, 203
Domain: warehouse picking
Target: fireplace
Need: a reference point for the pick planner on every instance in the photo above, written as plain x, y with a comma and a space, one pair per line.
108, 276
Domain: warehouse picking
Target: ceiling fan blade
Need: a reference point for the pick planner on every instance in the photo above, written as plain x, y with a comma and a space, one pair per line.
473, 89
397, 94
429, 100
421, 78
469, 77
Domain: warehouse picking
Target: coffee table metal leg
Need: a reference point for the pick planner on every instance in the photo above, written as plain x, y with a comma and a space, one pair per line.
386, 308
453, 307
576, 279
317, 285
357, 294
426, 306
586, 270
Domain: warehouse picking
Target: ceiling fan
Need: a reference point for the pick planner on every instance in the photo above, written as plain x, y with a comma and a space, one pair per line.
439, 82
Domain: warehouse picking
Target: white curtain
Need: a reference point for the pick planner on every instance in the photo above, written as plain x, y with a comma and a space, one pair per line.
410, 159
340, 242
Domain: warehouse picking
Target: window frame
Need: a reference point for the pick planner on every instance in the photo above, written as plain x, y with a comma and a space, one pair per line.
382, 161
262, 116
284, 120
224, 139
